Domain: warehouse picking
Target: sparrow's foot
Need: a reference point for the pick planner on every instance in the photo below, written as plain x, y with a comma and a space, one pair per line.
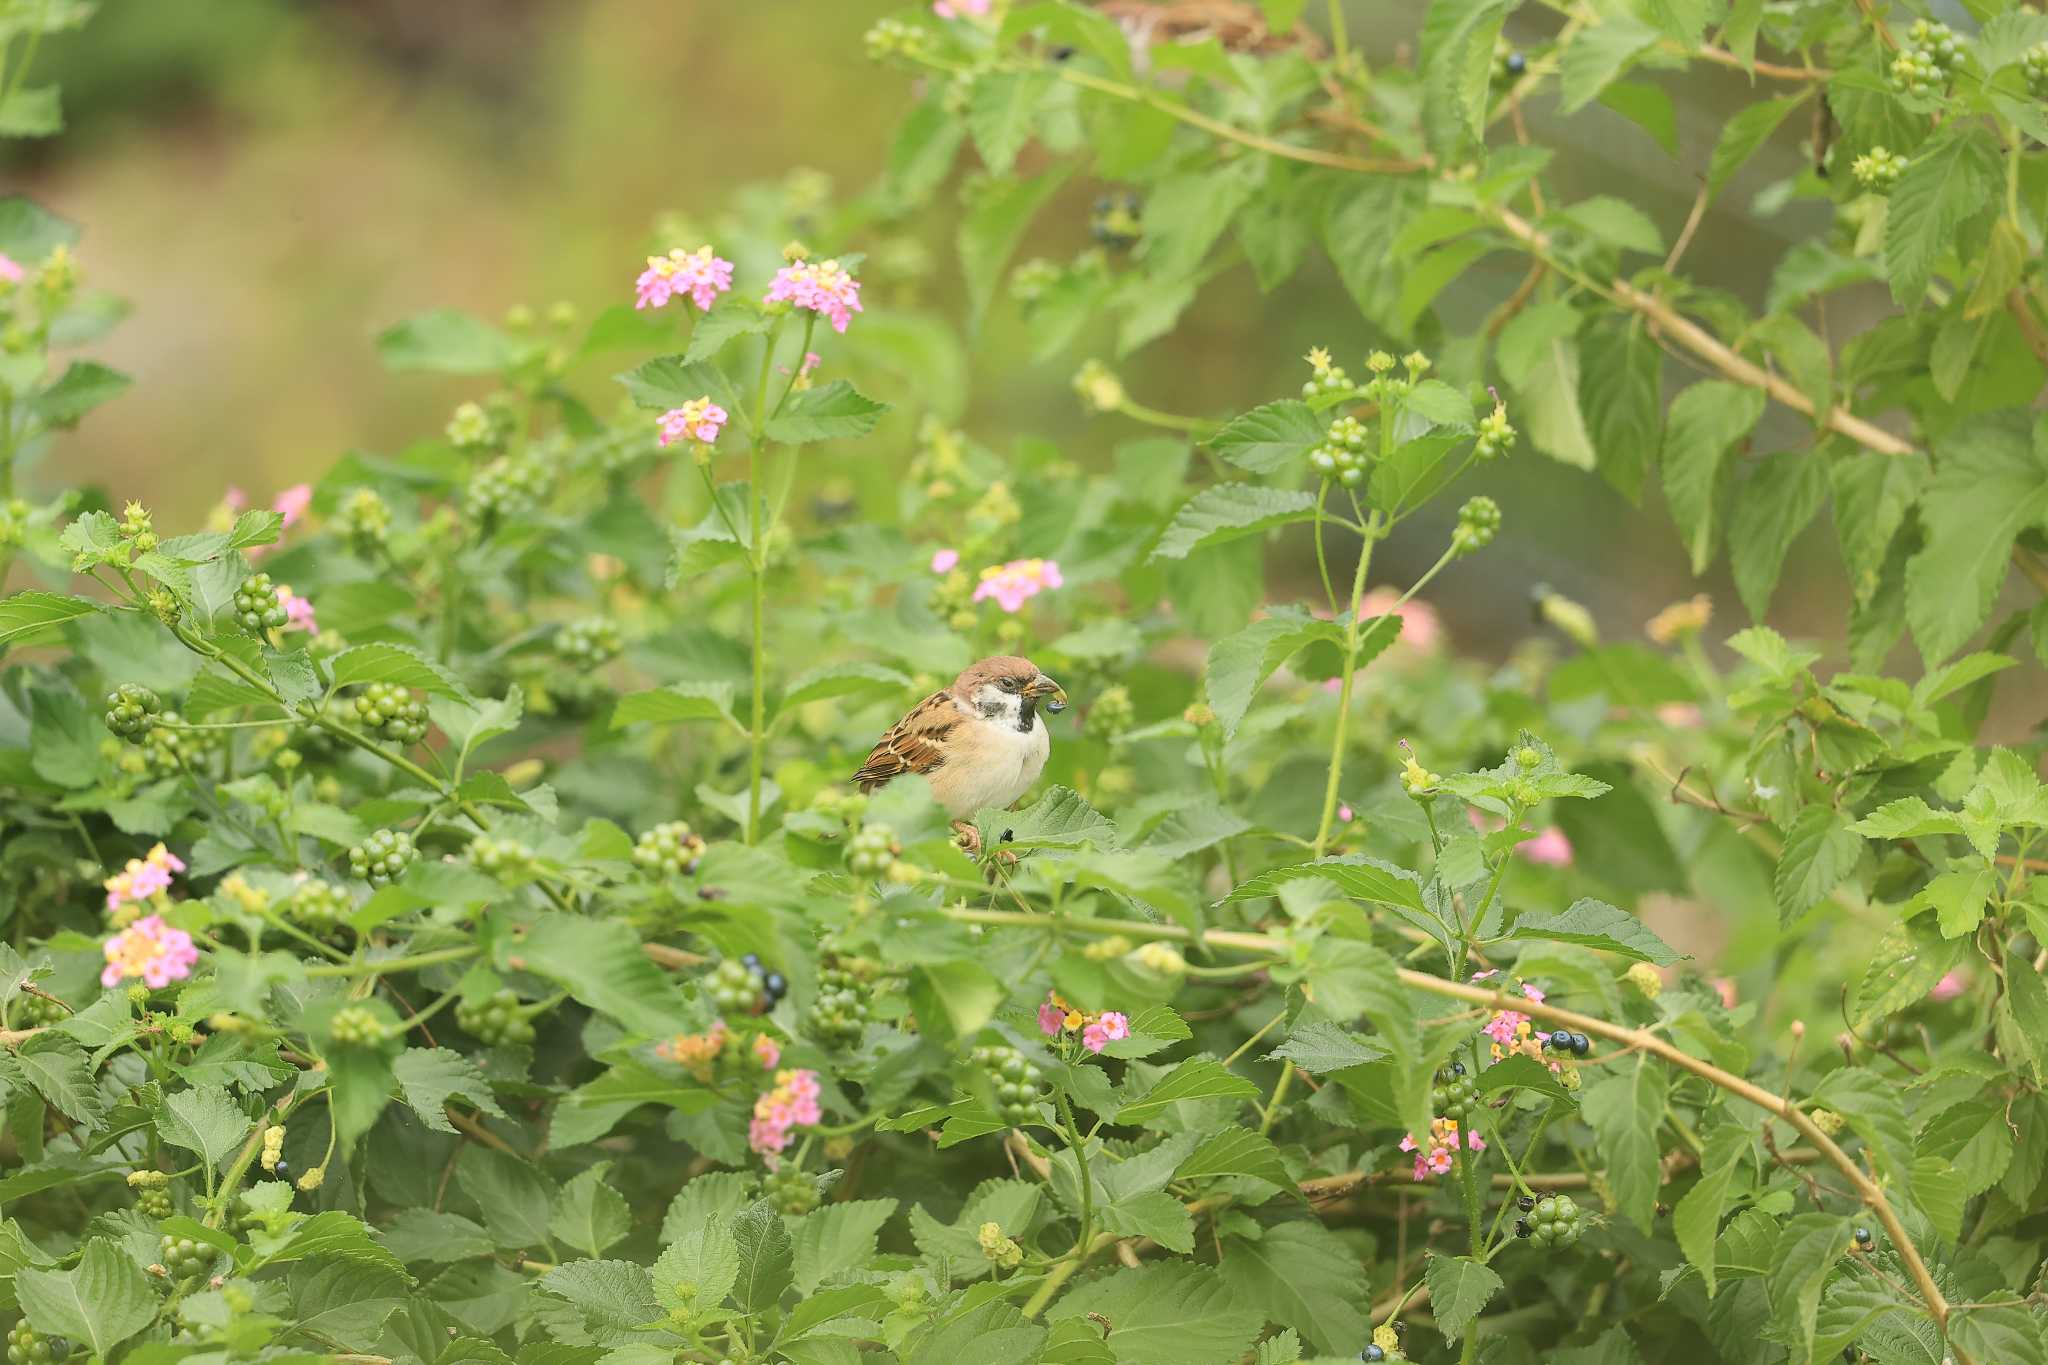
968, 837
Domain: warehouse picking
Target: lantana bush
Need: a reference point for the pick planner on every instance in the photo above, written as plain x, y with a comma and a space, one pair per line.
441, 925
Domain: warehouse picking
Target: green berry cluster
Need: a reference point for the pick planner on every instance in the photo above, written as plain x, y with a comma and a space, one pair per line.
869, 852
184, 1259
1112, 712
168, 752
1496, 437
1478, 519
2035, 64
257, 606
383, 857
365, 520
355, 1026
894, 38
499, 857
1930, 53
392, 712
496, 1021
1341, 456
505, 488
1017, 1082
840, 1012
319, 905
745, 987
37, 1011
1552, 1221
791, 1191
668, 850
1878, 169
1454, 1096
131, 711
470, 427
155, 1202
1324, 377
26, 1347
1118, 221
588, 643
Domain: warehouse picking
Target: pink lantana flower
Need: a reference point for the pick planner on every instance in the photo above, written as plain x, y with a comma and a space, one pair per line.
1050, 1018
152, 950
10, 270
1532, 992
953, 9
1344, 815
767, 1051
143, 877
1107, 1028
793, 1103
293, 502
827, 289
1724, 986
1421, 628
699, 419
1501, 1028
945, 561
1017, 582
1550, 848
1679, 715
298, 611
1951, 985
699, 275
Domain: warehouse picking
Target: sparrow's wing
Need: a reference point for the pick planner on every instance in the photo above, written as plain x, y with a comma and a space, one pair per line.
915, 744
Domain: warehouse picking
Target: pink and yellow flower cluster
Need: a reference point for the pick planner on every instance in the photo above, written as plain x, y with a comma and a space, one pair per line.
152, 950
698, 1053
1015, 583
793, 1103
698, 275
826, 288
1436, 1157
700, 419
1098, 1031
143, 878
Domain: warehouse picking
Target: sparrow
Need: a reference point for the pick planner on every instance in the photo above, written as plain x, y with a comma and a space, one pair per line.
980, 742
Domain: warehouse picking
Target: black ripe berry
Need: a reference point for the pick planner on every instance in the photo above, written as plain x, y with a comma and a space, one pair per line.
750, 960
1517, 63
1561, 1040
1522, 1228
775, 986
1526, 1203
1864, 1238
1457, 1068
1581, 1045
282, 1170
1372, 1352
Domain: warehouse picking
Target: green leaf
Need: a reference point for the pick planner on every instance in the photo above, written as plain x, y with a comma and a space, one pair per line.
1596, 924
1271, 437
1621, 394
766, 1256
1459, 1287
1820, 850
1614, 222
1302, 1274
614, 1298
837, 1238
1874, 1111
1060, 23
1237, 1152
32, 111
1957, 898
1198, 1078
699, 1266
1807, 1250
1990, 484
1649, 108
2007, 1332
204, 1120
1775, 504
1168, 1313
1227, 511
449, 341
1696, 1219
730, 317
1322, 1046
430, 1076
29, 232
669, 382
1948, 181
1239, 664
25, 616
84, 385
600, 964
675, 704
1703, 422
1599, 53
399, 665
98, 1304
1742, 135
1001, 108
517, 1200
1061, 818
1625, 1110
997, 217
871, 682
833, 412
1357, 876
1521, 1072
589, 1214
1909, 817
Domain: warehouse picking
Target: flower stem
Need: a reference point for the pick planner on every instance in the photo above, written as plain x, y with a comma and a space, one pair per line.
1344, 693
382, 966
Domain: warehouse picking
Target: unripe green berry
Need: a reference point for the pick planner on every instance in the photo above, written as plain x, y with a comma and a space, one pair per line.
497, 1021
667, 850
392, 712
356, 1026
383, 857
257, 605
131, 711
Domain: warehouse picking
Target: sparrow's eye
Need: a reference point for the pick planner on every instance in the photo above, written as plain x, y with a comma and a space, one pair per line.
1009, 684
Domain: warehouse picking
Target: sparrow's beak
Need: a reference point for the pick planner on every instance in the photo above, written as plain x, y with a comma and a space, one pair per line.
1042, 686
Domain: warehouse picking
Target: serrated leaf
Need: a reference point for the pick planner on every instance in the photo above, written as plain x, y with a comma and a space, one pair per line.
1228, 511
1626, 1110
1236, 1152
1303, 1274
1322, 1046
589, 1214
84, 385
766, 1257
600, 964
1599, 53
430, 1077
1596, 924
1775, 503
98, 1304
1990, 484
1459, 1287
832, 412
1947, 182
700, 1264
1909, 817
398, 665
614, 1298
448, 341
1357, 876
677, 703
1198, 1078
1704, 421
1169, 1313
1270, 437
1743, 134
26, 615
869, 681
1239, 664
837, 1238
1061, 818
204, 1120
996, 220
1820, 850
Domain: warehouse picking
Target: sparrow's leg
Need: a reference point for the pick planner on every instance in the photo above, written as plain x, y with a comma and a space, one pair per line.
969, 838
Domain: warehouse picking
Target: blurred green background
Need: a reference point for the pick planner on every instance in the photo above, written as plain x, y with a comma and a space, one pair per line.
271, 183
